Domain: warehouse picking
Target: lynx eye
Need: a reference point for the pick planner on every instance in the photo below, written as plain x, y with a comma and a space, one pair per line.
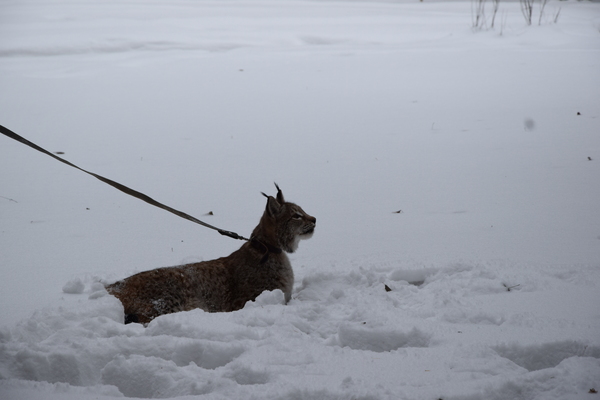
297, 216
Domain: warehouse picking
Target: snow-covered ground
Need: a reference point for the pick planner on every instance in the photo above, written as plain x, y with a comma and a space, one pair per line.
486, 140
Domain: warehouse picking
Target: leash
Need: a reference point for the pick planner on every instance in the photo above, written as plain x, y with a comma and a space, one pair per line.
122, 188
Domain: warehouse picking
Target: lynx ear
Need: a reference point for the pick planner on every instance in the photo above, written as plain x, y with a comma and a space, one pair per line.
279, 195
273, 206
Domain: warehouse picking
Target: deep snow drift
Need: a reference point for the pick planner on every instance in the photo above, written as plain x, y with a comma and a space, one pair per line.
486, 141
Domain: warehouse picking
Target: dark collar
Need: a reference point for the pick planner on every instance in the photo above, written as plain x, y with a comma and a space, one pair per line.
264, 247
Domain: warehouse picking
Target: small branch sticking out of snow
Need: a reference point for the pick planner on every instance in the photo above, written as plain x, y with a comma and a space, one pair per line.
543, 5
556, 16
508, 288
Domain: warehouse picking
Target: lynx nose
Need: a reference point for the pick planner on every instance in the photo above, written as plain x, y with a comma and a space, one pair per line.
313, 220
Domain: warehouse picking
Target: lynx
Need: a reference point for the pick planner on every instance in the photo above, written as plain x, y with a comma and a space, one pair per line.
227, 283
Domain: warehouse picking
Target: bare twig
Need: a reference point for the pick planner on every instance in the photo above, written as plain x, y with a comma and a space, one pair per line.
13, 200
496, 5
502, 22
527, 10
510, 287
556, 16
478, 13
543, 5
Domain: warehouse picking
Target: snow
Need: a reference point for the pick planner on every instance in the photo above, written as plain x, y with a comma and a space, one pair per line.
486, 141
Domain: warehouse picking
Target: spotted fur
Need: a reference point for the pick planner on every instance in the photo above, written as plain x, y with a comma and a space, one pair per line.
227, 283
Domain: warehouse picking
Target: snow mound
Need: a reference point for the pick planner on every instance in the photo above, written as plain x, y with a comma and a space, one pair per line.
74, 286
548, 355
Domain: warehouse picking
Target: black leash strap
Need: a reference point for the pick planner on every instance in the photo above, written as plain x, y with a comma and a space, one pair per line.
122, 188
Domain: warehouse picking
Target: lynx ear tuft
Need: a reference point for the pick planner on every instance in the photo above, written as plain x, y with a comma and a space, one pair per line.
263, 193
280, 198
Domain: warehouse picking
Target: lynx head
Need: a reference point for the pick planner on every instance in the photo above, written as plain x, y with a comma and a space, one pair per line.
284, 224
